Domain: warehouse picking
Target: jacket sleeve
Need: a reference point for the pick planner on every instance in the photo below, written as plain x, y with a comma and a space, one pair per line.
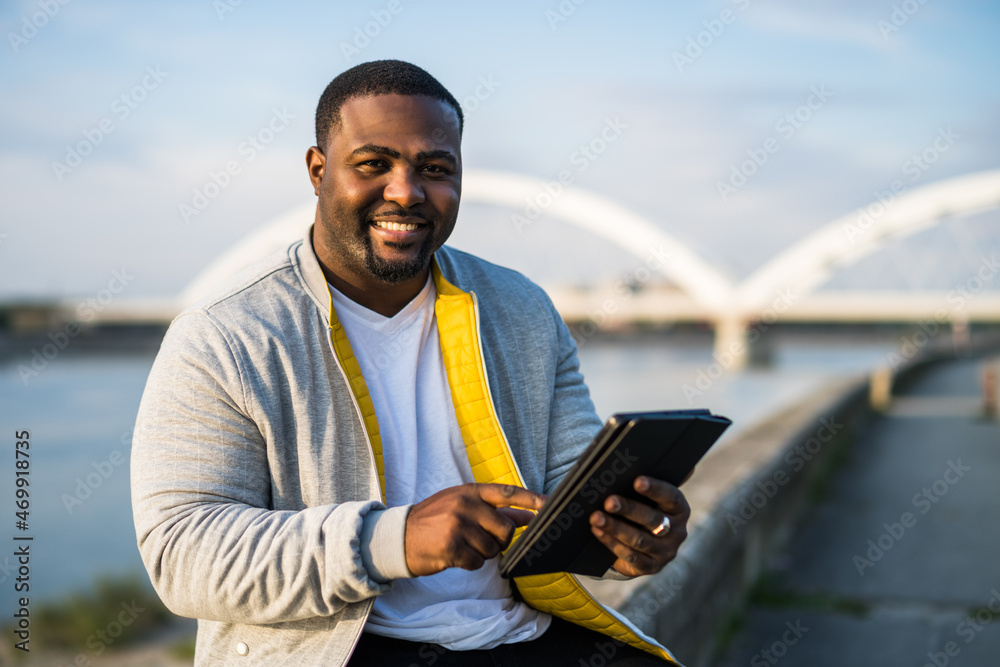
573, 422
201, 492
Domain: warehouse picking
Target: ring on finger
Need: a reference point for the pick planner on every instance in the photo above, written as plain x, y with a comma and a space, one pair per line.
663, 528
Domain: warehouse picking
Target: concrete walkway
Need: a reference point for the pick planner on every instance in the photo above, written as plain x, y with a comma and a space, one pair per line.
900, 563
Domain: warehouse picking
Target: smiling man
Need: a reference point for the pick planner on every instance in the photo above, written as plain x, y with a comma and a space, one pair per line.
333, 448
388, 195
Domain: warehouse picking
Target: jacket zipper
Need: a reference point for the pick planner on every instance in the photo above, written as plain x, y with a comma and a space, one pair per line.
371, 458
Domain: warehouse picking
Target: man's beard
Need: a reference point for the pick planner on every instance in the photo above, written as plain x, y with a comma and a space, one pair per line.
393, 272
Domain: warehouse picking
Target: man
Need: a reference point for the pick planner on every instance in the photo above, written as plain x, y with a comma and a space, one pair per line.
333, 448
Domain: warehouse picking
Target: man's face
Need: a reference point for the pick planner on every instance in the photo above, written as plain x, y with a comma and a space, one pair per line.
389, 183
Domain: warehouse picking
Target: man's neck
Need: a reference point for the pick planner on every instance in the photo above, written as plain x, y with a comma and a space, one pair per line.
382, 298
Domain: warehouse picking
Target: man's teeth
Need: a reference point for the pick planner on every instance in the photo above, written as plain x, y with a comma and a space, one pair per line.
396, 226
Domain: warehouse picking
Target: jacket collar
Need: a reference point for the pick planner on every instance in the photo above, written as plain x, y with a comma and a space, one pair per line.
312, 272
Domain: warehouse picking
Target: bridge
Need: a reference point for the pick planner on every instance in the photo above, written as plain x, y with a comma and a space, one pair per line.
784, 289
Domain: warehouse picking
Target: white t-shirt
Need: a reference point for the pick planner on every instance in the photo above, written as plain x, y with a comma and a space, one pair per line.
400, 358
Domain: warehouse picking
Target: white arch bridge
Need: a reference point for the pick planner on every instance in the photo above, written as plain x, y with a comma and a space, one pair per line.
782, 290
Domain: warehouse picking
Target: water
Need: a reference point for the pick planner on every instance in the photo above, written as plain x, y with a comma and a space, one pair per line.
79, 412
81, 408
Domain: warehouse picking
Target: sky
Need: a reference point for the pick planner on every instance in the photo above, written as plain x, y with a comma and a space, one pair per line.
116, 116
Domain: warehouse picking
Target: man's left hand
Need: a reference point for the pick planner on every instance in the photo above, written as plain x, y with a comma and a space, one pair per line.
639, 551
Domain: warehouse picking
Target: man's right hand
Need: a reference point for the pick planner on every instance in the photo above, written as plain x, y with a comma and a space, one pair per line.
464, 526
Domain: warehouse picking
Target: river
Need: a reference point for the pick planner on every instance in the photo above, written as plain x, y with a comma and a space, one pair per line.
81, 407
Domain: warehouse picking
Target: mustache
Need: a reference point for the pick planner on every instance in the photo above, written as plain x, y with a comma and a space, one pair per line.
397, 212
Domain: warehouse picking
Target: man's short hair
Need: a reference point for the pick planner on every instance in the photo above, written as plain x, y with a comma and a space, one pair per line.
379, 77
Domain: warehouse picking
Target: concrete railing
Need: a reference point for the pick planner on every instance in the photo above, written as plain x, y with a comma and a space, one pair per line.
747, 498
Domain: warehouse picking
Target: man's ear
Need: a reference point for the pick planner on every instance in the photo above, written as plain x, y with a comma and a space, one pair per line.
316, 164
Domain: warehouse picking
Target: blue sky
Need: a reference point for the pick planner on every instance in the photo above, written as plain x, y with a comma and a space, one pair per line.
223, 75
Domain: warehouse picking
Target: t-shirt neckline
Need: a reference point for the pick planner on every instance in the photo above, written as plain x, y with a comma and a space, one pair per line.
344, 303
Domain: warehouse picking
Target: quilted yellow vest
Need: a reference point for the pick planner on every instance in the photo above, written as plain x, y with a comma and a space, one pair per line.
559, 594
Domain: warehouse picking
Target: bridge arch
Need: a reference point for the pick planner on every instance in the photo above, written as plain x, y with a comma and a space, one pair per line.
797, 270
273, 236
807, 264
598, 215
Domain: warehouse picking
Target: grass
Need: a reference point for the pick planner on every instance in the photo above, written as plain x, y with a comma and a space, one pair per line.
115, 612
770, 594
830, 463
183, 650
730, 629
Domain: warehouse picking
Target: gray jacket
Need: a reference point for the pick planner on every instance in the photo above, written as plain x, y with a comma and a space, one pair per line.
254, 489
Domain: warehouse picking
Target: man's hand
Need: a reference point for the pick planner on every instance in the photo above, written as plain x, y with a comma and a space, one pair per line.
639, 551
464, 526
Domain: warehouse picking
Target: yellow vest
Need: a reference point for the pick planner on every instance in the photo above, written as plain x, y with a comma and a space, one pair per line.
559, 594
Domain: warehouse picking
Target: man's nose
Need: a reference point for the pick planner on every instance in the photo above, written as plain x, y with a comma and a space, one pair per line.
404, 188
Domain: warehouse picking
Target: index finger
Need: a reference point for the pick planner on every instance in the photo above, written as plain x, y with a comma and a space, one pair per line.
508, 495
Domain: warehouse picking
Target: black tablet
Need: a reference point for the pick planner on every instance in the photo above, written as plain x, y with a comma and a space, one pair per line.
664, 445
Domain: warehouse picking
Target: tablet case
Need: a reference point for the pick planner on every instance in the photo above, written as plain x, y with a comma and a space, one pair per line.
664, 445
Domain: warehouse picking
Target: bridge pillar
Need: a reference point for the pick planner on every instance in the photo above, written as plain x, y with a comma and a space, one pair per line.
960, 335
731, 348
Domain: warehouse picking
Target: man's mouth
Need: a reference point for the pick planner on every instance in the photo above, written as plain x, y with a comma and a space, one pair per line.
396, 226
